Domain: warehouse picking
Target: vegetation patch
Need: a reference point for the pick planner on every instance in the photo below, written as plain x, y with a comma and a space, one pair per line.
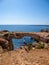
40, 46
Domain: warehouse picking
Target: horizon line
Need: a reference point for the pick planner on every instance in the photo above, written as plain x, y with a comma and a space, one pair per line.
24, 24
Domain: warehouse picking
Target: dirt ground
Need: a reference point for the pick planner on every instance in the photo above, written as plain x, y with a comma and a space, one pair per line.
21, 57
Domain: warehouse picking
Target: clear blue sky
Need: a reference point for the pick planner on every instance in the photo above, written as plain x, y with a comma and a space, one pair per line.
24, 12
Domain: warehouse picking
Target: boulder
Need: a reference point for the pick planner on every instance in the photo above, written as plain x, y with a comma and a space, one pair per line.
5, 44
5, 31
44, 30
36, 37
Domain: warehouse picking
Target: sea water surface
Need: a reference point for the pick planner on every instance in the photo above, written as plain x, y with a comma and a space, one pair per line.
23, 28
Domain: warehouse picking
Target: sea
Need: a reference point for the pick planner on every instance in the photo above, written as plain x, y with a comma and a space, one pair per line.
23, 28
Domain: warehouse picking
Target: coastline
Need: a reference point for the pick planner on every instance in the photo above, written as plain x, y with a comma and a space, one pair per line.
29, 54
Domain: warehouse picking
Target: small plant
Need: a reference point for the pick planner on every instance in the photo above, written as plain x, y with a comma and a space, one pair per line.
40, 46
29, 46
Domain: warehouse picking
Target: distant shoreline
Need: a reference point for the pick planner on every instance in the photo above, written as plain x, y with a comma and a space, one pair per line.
24, 25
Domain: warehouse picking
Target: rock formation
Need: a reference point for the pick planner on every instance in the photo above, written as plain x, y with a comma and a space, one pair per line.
7, 36
44, 30
6, 44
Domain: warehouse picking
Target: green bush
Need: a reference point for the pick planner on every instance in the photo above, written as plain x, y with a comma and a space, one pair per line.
40, 46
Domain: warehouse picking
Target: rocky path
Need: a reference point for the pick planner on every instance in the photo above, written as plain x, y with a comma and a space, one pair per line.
21, 57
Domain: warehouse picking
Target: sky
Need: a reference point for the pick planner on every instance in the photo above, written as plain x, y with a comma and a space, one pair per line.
24, 12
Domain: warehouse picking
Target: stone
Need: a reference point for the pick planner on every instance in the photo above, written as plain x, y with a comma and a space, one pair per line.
44, 30
5, 44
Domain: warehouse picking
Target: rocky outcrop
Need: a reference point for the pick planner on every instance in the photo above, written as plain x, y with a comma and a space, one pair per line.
5, 44
7, 36
4, 31
38, 36
44, 30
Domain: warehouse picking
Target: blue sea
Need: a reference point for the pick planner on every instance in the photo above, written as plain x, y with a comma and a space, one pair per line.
23, 28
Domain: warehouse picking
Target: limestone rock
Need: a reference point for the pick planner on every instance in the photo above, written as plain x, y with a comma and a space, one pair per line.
5, 44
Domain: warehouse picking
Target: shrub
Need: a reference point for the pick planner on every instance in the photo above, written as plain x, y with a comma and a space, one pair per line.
40, 46
29, 46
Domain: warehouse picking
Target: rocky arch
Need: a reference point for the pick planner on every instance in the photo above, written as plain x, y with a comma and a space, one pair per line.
8, 36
